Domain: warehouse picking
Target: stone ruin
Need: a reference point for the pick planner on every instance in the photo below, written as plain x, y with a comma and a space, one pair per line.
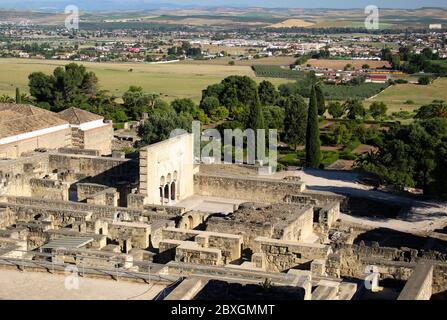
65, 207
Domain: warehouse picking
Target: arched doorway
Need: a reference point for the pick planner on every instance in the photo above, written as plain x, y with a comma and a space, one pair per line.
166, 193
173, 195
191, 222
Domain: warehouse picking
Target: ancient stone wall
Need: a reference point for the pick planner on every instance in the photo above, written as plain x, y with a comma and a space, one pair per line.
49, 189
228, 244
419, 285
107, 197
7, 217
138, 233
99, 139
282, 255
16, 174
297, 229
245, 188
97, 211
109, 171
249, 231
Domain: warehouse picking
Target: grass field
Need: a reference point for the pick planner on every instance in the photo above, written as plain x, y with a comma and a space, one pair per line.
172, 81
396, 96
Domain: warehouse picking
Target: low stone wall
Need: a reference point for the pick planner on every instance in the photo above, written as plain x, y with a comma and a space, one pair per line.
49, 189
93, 258
419, 286
59, 217
245, 188
85, 190
282, 255
7, 216
188, 252
249, 232
138, 233
228, 244
85, 152
102, 170
107, 197
98, 211
191, 252
16, 174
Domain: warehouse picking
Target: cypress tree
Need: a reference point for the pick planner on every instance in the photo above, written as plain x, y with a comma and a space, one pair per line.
295, 122
255, 118
313, 153
18, 96
320, 100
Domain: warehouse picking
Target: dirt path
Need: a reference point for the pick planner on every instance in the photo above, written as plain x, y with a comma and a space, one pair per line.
422, 216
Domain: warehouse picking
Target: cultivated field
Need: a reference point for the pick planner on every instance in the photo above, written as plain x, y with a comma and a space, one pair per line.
174, 80
292, 23
271, 61
340, 64
396, 96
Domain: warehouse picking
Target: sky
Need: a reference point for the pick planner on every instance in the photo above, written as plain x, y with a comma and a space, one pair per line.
151, 4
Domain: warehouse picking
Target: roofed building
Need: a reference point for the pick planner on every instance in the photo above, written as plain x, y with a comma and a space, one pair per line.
88, 130
25, 128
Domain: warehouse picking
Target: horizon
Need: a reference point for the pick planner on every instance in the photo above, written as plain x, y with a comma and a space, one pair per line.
110, 5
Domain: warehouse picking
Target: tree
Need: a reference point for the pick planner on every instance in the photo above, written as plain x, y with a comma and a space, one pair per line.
18, 96
160, 124
219, 113
313, 153
424, 80
336, 110
273, 117
209, 103
339, 134
268, 95
378, 110
436, 109
321, 103
41, 87
295, 122
386, 54
365, 66
413, 156
68, 86
395, 61
183, 105
255, 118
355, 109
136, 101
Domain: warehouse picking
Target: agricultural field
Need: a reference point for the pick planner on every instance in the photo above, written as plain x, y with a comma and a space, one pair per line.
398, 97
361, 91
171, 81
340, 64
269, 71
275, 61
292, 23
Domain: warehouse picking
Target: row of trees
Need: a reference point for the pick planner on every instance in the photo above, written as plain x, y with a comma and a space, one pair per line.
409, 61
